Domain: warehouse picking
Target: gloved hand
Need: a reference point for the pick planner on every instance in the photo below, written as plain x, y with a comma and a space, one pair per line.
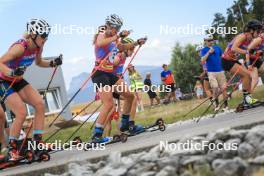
124, 33
56, 62
19, 71
142, 41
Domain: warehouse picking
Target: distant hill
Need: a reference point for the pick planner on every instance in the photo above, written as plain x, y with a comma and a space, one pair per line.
88, 94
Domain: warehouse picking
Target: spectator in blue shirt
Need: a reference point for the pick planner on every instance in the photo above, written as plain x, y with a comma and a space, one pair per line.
211, 56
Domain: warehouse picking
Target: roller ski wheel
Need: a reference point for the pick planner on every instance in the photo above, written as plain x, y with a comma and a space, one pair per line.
131, 128
29, 155
120, 138
87, 146
160, 121
123, 137
77, 140
240, 108
117, 137
15, 159
44, 156
162, 127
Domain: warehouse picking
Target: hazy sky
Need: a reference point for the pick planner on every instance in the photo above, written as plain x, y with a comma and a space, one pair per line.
164, 22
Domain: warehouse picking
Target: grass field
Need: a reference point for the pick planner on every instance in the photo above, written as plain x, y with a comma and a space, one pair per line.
170, 113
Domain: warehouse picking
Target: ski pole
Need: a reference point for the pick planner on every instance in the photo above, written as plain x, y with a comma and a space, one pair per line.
80, 89
47, 88
223, 101
83, 109
210, 97
197, 106
31, 123
94, 122
236, 86
83, 123
131, 59
225, 87
10, 86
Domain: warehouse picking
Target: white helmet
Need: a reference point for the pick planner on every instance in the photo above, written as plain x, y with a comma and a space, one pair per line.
199, 48
114, 20
38, 27
208, 37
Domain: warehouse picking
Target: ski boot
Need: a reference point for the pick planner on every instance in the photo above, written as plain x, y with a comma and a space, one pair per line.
40, 154
248, 102
98, 136
13, 151
135, 129
124, 126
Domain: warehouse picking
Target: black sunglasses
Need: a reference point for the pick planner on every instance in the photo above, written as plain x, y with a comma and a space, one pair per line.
44, 36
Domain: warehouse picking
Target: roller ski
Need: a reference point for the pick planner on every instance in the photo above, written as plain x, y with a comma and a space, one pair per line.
19, 153
12, 161
98, 139
131, 129
248, 103
43, 154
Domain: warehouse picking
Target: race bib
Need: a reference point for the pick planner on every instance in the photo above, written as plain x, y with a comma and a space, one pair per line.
112, 56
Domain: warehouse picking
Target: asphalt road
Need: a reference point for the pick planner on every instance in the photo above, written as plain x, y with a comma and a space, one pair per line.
173, 132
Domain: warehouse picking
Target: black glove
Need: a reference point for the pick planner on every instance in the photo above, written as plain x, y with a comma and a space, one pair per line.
124, 33
141, 41
56, 62
19, 71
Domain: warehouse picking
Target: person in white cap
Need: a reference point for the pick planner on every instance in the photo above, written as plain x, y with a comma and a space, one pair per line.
211, 56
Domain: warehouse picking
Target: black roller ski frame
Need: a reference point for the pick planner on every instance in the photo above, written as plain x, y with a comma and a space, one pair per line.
159, 125
115, 139
241, 107
27, 156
